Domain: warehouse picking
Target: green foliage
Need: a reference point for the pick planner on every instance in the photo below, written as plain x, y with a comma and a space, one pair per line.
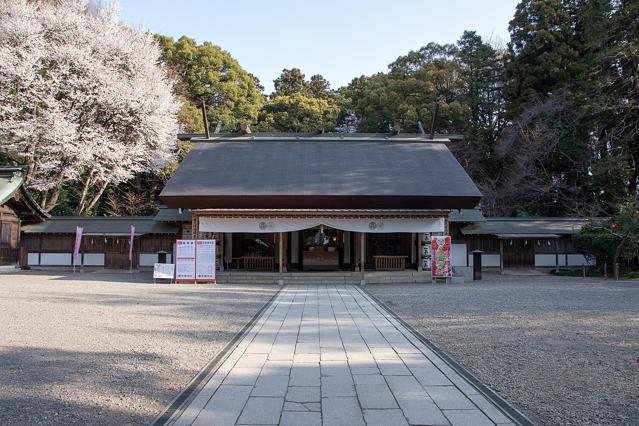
408, 93
190, 118
298, 113
618, 241
596, 243
206, 72
290, 82
298, 105
542, 53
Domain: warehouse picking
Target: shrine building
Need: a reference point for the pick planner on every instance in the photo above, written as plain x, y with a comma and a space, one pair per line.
324, 202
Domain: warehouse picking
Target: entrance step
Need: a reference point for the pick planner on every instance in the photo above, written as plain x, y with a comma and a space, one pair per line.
342, 277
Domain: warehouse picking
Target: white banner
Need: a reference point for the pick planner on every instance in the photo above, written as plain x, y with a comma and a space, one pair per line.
370, 225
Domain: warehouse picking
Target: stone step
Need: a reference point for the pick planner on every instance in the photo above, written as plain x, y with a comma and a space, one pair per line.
321, 277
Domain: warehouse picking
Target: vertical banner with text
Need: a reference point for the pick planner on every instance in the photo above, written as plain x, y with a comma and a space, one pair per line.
78, 243
131, 241
440, 257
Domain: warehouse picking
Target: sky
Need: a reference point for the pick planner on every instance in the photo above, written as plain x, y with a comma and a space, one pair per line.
338, 39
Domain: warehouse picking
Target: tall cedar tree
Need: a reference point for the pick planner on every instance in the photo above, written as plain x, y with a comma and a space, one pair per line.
542, 53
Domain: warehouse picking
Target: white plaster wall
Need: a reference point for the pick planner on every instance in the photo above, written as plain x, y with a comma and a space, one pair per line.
93, 259
576, 260
55, 259
487, 260
148, 259
458, 254
33, 259
549, 260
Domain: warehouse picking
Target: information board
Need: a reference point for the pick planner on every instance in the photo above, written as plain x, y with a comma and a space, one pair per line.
184, 260
440, 257
163, 271
205, 260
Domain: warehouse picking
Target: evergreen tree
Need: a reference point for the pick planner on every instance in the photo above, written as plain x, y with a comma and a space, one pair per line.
481, 71
207, 73
542, 52
290, 82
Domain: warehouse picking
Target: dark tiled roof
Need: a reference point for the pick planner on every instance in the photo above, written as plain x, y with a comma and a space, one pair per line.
317, 136
321, 168
530, 225
166, 214
466, 215
14, 194
101, 225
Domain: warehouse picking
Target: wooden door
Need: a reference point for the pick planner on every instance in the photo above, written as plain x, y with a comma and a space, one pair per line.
115, 260
519, 253
116, 254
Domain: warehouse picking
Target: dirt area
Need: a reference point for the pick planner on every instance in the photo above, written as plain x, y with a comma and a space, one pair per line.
109, 348
564, 350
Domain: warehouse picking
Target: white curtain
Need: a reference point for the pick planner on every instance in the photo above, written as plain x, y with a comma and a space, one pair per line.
370, 225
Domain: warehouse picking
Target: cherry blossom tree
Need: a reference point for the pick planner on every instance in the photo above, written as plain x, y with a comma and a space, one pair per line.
83, 98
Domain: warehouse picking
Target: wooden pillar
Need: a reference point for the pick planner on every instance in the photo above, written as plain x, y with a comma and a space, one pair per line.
501, 256
356, 257
363, 256
228, 248
221, 249
556, 257
420, 251
194, 226
281, 257
284, 252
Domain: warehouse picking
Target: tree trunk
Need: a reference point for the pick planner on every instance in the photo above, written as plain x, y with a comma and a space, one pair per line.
53, 199
96, 197
615, 259
83, 194
43, 199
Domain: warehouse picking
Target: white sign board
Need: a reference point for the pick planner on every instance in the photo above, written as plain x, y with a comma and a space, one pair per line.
205, 260
163, 271
185, 260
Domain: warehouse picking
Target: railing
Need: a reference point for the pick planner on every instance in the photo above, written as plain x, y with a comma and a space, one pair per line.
390, 263
254, 263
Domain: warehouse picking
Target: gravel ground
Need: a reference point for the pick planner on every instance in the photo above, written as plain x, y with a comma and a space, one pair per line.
563, 350
101, 349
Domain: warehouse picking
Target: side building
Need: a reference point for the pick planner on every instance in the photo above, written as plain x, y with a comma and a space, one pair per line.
521, 242
105, 242
17, 208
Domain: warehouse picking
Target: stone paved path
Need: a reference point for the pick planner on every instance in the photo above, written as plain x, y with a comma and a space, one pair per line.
330, 355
